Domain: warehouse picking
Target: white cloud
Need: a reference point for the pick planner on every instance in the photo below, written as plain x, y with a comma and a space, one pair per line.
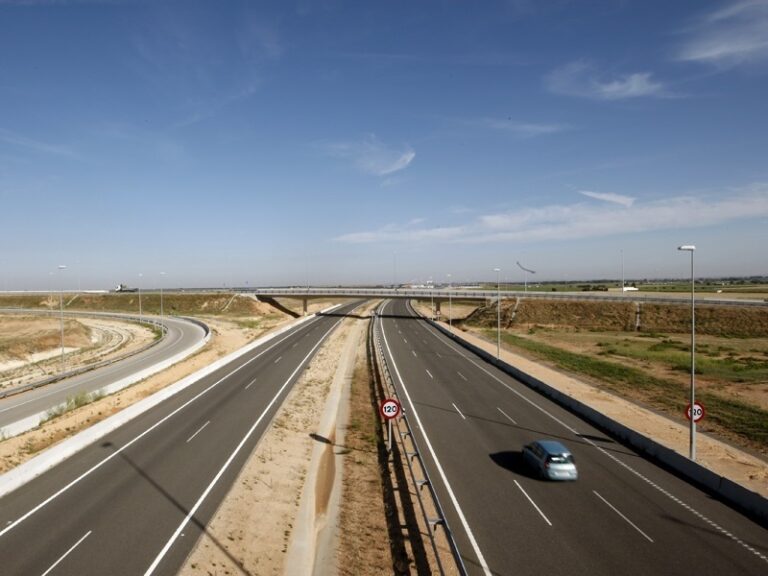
523, 129
736, 34
372, 156
408, 233
609, 197
580, 78
617, 215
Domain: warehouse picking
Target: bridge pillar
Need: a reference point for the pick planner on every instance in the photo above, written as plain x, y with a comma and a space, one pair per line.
305, 306
437, 309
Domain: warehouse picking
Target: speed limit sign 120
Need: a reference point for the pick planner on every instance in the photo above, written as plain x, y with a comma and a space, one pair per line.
698, 411
390, 408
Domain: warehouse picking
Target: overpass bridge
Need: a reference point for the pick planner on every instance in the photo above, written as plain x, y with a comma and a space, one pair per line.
440, 295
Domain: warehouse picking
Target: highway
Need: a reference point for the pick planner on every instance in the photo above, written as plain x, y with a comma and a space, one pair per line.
180, 335
136, 502
624, 515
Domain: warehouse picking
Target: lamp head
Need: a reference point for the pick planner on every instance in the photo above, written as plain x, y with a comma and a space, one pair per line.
687, 247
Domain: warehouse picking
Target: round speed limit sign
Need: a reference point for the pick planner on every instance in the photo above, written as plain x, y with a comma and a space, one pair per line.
390, 408
698, 411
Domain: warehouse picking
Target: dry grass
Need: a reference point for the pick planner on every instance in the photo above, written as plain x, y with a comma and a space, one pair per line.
364, 546
21, 336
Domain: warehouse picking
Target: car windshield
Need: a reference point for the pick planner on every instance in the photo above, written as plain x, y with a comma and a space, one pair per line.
560, 459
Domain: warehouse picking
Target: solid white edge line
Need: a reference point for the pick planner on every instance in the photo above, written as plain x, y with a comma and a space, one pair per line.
99, 464
232, 456
507, 415
198, 431
532, 503
612, 507
451, 495
459, 411
67, 553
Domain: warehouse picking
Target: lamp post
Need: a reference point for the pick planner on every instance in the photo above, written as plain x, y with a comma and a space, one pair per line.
432, 299
161, 294
61, 315
498, 314
692, 428
622, 271
450, 305
139, 287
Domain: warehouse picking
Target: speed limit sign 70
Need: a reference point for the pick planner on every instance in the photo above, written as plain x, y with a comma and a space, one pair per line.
698, 411
390, 408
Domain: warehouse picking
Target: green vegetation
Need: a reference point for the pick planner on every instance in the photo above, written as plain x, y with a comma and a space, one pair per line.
174, 303
72, 403
747, 422
717, 363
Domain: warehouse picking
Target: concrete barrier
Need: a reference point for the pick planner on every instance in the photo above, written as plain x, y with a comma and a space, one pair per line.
742, 499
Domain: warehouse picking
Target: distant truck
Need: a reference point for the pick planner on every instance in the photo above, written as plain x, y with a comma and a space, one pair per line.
124, 288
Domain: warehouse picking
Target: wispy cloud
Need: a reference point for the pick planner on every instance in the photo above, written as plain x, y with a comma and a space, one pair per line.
616, 215
415, 231
609, 197
372, 156
582, 79
733, 35
30, 144
522, 129
216, 104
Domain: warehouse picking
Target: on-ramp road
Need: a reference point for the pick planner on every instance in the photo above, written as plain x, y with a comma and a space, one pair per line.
180, 335
623, 515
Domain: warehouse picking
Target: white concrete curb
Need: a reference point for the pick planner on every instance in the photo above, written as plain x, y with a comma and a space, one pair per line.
46, 460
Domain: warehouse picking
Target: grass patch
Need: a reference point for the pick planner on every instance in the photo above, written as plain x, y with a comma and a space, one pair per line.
73, 403
748, 422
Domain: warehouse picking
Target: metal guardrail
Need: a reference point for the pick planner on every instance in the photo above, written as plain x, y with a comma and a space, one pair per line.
444, 294
415, 454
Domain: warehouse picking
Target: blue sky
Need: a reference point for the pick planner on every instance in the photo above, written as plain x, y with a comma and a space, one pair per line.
337, 142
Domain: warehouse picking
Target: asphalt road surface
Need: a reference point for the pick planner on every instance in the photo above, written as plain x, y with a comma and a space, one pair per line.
180, 335
136, 502
624, 515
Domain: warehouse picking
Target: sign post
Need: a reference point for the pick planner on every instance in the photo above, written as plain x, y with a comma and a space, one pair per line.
390, 409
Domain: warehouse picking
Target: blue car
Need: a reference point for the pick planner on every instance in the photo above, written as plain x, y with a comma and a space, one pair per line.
551, 460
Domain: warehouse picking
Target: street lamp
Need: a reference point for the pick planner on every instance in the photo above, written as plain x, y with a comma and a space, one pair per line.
161, 294
450, 306
692, 428
61, 315
139, 287
498, 314
432, 299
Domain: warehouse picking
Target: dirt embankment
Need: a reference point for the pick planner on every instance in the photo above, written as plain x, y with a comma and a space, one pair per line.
30, 346
22, 336
733, 321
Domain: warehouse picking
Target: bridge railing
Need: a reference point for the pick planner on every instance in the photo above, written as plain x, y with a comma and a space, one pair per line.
444, 294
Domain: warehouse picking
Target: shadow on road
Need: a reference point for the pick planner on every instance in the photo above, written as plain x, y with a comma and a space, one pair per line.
514, 462
168, 496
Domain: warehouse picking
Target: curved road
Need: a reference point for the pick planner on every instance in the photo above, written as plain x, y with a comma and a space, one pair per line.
136, 501
181, 335
623, 516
